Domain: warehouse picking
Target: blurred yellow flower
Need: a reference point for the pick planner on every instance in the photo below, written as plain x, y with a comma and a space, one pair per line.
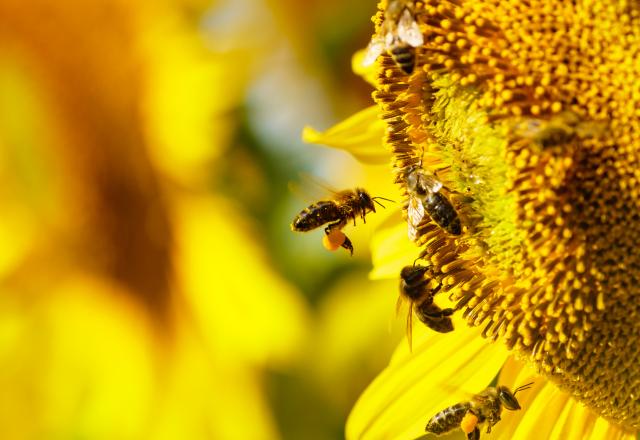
527, 114
135, 301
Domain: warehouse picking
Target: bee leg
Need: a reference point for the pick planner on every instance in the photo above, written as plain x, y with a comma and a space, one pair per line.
347, 245
474, 435
492, 422
435, 312
335, 225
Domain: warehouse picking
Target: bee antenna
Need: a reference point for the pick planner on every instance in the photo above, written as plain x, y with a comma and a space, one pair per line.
375, 200
523, 387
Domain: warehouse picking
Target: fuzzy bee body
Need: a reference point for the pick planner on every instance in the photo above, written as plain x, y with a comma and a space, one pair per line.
448, 419
425, 198
317, 214
414, 288
399, 35
442, 212
483, 408
404, 56
346, 205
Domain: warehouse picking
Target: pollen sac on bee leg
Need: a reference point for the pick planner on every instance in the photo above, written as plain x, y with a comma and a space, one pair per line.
335, 239
469, 422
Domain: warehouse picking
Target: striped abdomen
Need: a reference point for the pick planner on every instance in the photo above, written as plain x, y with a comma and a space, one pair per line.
405, 57
443, 213
316, 215
448, 418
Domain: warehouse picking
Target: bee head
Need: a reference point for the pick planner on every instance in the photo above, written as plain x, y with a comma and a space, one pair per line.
366, 201
412, 177
508, 398
412, 273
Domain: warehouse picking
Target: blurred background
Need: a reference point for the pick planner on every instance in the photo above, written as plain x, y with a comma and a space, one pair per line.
150, 286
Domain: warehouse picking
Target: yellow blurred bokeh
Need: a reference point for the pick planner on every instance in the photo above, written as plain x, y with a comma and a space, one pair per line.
150, 287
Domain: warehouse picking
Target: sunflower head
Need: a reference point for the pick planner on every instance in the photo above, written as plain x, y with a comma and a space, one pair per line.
528, 114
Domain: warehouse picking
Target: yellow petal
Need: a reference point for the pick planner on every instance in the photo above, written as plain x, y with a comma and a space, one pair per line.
564, 422
603, 429
539, 415
442, 370
580, 424
368, 73
391, 248
360, 134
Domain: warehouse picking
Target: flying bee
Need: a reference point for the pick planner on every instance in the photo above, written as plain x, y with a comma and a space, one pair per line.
425, 198
399, 35
345, 205
335, 239
484, 407
414, 288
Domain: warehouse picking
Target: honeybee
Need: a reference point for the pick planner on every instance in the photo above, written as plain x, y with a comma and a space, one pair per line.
557, 131
425, 198
414, 288
485, 407
399, 34
345, 205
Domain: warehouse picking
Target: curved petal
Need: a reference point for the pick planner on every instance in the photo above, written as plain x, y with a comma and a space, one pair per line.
361, 135
391, 249
442, 370
540, 415
368, 73
603, 429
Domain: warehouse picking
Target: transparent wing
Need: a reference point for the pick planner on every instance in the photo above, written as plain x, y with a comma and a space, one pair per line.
415, 214
374, 50
408, 30
409, 324
317, 182
409, 329
311, 189
429, 182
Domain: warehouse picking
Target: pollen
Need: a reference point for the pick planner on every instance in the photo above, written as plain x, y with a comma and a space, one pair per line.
469, 422
529, 114
333, 240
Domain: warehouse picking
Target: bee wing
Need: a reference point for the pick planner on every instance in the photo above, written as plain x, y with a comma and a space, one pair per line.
408, 29
374, 49
415, 214
410, 327
432, 184
399, 304
314, 186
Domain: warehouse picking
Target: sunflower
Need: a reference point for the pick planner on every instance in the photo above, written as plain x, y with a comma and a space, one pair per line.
528, 114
